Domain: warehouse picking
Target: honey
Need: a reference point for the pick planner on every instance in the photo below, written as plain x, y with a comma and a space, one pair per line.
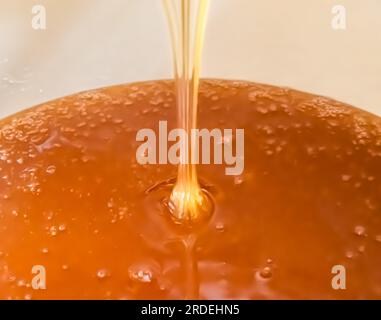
188, 202
74, 199
77, 204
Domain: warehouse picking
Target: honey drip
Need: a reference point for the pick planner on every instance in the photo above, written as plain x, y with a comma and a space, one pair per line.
188, 202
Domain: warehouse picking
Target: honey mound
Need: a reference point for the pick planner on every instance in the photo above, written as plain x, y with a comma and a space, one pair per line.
73, 199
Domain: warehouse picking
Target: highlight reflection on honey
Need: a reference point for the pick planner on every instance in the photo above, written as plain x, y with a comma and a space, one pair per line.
74, 200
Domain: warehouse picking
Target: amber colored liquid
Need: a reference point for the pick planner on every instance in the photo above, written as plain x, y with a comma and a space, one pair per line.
73, 199
188, 203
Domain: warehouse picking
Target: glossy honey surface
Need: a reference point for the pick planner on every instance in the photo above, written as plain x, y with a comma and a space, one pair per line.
74, 200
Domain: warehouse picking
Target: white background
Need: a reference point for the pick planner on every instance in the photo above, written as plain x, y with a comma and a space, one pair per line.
93, 43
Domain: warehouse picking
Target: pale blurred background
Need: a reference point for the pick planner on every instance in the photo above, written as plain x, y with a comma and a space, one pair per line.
93, 43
